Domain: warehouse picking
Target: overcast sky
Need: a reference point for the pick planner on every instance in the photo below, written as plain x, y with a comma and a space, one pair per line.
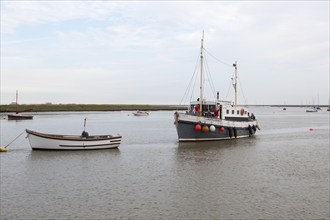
146, 52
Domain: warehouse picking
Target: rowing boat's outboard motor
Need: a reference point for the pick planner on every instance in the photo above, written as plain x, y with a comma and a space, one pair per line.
84, 134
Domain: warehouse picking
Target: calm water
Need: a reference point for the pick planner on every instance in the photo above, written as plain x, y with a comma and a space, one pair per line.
281, 173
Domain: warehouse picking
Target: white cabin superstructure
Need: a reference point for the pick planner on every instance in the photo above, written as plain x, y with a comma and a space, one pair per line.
223, 110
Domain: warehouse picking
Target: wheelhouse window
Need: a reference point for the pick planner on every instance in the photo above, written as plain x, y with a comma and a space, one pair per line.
227, 111
205, 108
238, 112
232, 112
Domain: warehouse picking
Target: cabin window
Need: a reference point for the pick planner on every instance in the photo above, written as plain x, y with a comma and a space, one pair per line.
238, 112
192, 108
233, 112
227, 111
212, 108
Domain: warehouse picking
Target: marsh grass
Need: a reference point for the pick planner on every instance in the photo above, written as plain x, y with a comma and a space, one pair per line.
87, 107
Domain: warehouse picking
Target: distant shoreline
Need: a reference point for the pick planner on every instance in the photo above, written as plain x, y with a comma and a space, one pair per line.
110, 107
87, 107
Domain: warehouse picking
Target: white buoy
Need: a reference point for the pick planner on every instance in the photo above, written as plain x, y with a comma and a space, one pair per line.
212, 128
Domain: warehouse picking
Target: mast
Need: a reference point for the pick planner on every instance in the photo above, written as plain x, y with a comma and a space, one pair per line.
85, 124
201, 79
235, 83
16, 101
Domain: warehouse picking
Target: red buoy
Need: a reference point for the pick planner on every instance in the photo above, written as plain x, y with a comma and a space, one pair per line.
198, 127
222, 129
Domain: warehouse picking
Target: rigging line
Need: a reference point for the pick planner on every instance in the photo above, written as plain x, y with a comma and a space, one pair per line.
240, 85
192, 90
228, 91
189, 85
195, 77
207, 70
185, 96
217, 58
230, 85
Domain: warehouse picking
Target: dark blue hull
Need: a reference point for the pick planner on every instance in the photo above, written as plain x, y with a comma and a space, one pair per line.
186, 129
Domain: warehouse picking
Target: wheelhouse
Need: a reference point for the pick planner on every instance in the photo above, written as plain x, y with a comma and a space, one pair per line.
220, 110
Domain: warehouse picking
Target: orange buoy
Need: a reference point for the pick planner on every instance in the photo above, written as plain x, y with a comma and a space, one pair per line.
205, 128
198, 127
222, 129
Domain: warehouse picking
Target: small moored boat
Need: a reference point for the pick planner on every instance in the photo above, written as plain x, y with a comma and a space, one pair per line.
17, 115
72, 142
140, 113
311, 109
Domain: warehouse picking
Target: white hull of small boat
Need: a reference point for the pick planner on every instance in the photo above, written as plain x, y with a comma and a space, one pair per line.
140, 113
311, 110
71, 142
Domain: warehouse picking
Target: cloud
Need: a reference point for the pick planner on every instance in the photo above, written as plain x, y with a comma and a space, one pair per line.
149, 46
20, 13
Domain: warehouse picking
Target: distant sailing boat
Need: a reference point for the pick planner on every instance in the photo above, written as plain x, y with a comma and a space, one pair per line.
214, 120
17, 115
318, 107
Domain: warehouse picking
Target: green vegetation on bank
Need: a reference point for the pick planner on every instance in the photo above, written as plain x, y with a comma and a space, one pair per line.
87, 107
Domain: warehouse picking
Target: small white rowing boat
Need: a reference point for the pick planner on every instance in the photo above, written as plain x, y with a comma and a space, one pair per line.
72, 142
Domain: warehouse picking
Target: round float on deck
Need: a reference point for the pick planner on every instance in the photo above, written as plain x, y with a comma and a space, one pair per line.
212, 128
